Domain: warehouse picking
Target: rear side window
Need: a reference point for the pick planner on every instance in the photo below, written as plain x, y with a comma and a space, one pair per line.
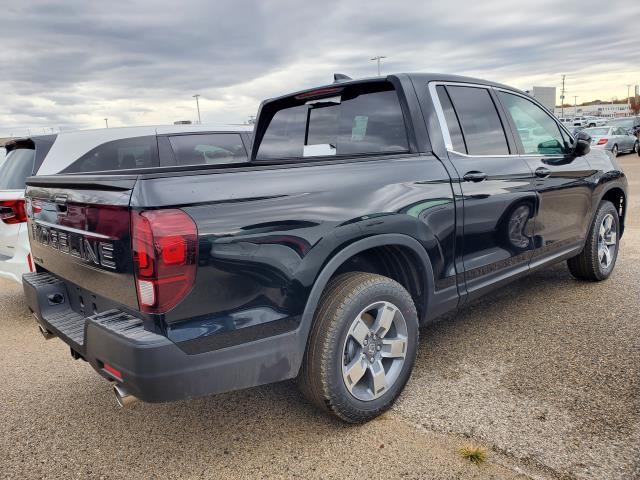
208, 149
16, 168
127, 153
481, 126
352, 122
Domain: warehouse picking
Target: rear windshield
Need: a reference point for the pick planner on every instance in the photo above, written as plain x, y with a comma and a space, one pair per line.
349, 122
16, 168
597, 131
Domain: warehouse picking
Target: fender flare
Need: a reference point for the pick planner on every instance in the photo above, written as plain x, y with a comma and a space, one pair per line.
386, 239
607, 187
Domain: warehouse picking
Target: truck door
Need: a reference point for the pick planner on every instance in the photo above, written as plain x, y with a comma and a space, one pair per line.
562, 184
497, 186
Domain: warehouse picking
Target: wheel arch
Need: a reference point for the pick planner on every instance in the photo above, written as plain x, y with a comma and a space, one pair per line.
344, 255
616, 195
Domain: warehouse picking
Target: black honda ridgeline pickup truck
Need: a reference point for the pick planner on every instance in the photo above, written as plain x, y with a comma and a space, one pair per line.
366, 208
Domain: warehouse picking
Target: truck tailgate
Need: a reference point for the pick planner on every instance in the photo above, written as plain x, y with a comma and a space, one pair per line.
79, 230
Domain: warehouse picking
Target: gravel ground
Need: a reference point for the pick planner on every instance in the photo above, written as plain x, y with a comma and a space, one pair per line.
544, 374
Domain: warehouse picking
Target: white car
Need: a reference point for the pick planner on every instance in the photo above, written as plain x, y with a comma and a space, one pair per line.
566, 121
110, 150
596, 121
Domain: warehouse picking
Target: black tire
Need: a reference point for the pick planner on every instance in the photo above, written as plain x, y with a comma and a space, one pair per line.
635, 148
321, 375
587, 265
614, 151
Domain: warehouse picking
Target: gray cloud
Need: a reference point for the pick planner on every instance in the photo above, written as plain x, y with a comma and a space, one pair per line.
72, 64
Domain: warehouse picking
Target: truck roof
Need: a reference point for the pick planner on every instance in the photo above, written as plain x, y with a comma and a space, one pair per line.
414, 77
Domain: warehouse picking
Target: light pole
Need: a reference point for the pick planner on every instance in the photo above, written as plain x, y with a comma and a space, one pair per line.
378, 58
197, 96
575, 107
628, 98
562, 98
106, 123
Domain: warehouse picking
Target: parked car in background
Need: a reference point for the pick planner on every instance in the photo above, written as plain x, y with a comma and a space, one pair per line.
596, 121
566, 121
631, 124
615, 139
110, 149
366, 208
24, 157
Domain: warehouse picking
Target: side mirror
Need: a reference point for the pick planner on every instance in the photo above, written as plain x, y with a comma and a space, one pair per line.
583, 144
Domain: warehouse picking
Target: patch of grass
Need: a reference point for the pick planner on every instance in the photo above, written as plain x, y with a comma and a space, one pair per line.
474, 454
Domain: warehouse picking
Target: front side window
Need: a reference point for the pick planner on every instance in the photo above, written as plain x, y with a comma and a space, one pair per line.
352, 122
16, 168
481, 126
208, 149
538, 132
128, 153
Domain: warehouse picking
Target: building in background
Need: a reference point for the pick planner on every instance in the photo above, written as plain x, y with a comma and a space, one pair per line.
597, 109
545, 95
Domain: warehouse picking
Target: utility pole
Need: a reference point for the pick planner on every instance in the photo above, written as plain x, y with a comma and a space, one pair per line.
106, 122
562, 97
197, 96
378, 58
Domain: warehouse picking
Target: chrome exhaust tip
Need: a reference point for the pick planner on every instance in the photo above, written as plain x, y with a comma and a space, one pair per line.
123, 397
45, 333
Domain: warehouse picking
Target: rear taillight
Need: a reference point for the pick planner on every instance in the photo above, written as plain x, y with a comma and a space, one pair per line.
12, 211
602, 141
165, 255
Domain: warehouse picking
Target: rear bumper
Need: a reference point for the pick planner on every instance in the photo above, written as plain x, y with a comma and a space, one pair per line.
152, 367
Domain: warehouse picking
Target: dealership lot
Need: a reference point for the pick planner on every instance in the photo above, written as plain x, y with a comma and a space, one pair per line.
543, 373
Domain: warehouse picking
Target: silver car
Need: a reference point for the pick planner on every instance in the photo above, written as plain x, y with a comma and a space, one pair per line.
615, 139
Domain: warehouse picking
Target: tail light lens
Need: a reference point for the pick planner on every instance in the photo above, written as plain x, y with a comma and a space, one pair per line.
165, 254
12, 211
602, 141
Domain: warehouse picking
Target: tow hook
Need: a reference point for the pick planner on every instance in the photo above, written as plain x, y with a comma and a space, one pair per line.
123, 397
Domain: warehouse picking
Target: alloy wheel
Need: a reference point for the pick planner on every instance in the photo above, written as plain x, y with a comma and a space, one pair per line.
607, 241
374, 351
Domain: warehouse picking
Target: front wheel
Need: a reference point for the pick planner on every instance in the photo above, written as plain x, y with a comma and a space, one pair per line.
361, 348
596, 261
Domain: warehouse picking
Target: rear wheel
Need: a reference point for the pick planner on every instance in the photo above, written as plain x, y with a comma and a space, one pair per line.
596, 261
635, 147
614, 151
361, 348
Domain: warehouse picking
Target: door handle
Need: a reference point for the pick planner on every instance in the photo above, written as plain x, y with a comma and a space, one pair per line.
474, 176
542, 172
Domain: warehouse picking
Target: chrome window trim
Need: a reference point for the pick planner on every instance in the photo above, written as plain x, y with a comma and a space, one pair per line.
444, 128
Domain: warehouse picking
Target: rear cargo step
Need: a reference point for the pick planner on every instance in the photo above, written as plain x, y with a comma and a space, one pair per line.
49, 296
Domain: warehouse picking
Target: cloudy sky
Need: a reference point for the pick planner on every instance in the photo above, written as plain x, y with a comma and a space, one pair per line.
71, 64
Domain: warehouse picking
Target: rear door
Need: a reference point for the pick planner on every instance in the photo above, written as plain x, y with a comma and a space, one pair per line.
497, 185
562, 183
